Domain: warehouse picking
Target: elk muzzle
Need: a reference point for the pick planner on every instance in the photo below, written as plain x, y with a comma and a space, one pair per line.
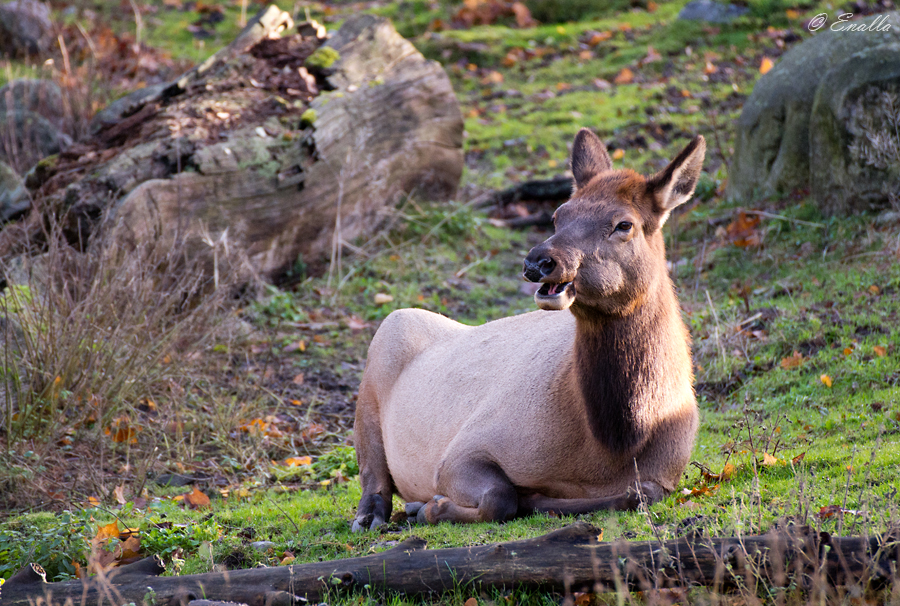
556, 293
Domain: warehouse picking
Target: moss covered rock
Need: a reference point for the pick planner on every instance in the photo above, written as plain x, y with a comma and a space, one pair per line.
772, 145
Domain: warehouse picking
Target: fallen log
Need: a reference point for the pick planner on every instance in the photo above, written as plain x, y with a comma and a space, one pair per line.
557, 189
570, 559
283, 145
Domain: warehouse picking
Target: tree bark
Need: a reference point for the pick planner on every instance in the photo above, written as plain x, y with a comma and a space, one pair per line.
570, 559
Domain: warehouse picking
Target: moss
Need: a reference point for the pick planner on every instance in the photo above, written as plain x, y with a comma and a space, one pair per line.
308, 118
323, 58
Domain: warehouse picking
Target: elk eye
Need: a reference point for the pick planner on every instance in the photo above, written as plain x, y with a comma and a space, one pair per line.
624, 226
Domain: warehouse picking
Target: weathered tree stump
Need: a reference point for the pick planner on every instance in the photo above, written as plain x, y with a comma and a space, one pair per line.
274, 144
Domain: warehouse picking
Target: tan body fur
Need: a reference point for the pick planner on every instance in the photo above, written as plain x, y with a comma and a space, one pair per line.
586, 407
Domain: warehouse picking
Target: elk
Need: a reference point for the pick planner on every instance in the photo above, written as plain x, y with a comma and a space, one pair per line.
583, 405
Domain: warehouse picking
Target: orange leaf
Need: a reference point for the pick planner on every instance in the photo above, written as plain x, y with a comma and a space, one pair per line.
709, 68
196, 499
471, 602
618, 154
792, 361
765, 65
769, 460
598, 37
798, 458
625, 76
298, 461
129, 550
652, 6
826, 380
110, 531
743, 230
298, 379
874, 290
792, 13
848, 351
880, 351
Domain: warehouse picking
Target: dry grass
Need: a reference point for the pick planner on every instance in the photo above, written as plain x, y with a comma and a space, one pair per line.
99, 358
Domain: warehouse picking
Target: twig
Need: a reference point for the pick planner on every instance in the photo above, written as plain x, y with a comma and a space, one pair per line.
762, 213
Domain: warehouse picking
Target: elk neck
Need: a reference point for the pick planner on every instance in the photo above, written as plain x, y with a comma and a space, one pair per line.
618, 363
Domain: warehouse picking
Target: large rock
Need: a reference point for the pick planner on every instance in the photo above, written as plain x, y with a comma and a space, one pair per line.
25, 28
26, 137
228, 155
15, 200
42, 97
853, 137
772, 146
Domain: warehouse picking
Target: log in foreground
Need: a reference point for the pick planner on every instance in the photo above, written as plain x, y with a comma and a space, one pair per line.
570, 559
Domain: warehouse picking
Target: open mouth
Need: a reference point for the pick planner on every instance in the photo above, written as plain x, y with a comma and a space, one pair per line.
555, 296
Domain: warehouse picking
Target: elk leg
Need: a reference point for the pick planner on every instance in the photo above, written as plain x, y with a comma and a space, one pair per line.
479, 492
650, 492
374, 475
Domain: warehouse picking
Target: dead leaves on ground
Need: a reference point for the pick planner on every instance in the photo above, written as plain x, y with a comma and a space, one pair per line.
112, 547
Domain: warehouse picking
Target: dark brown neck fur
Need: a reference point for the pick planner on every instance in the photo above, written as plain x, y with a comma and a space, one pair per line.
615, 360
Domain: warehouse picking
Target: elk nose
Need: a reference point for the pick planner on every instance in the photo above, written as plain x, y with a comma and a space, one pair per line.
541, 268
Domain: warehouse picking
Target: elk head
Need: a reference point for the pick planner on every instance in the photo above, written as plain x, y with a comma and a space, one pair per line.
608, 249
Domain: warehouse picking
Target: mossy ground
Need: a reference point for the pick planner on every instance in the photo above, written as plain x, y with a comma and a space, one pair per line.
795, 337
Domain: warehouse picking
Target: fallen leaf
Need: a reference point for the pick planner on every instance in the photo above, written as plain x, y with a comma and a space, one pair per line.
583, 599
196, 499
798, 458
826, 380
296, 346
119, 493
652, 6
107, 532
598, 37
471, 602
880, 351
765, 65
743, 232
848, 351
618, 154
625, 76
792, 361
492, 77
792, 13
382, 298
769, 460
709, 68
830, 511
298, 379
726, 474
128, 551
297, 461
874, 290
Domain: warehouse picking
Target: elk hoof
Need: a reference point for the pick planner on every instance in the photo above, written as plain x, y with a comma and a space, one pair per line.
412, 509
370, 515
430, 512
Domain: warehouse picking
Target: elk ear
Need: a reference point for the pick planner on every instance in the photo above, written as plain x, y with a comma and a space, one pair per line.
675, 185
589, 157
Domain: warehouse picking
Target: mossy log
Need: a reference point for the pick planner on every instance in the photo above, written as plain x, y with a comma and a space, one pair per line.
282, 144
570, 559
